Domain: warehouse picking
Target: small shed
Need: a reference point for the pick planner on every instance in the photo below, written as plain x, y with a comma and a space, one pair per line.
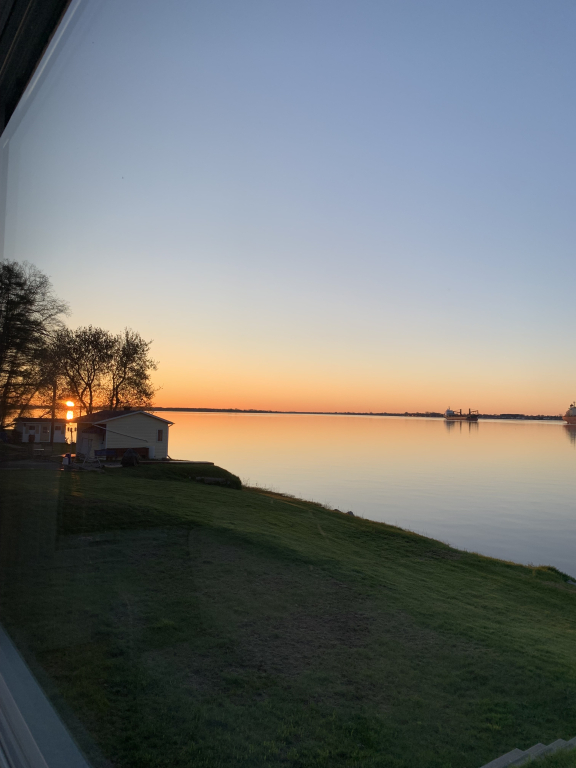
116, 431
37, 430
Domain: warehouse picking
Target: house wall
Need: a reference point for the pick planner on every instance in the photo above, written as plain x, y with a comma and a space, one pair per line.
136, 431
40, 431
89, 443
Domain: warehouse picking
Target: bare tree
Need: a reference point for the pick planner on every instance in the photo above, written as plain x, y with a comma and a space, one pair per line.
86, 355
29, 314
54, 389
128, 377
42, 362
100, 369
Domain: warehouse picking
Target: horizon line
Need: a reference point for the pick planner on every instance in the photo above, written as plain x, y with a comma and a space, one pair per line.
425, 414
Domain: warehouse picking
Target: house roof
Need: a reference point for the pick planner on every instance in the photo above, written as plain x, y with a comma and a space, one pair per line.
103, 416
92, 418
94, 430
38, 420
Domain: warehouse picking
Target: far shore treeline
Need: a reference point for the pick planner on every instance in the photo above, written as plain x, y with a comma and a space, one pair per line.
43, 362
414, 414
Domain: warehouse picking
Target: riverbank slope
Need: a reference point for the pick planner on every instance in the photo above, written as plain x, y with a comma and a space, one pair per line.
175, 623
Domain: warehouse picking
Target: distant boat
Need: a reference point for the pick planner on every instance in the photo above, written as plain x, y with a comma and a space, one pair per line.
451, 415
570, 415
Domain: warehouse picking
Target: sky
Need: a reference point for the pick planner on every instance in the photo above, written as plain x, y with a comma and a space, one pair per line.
317, 204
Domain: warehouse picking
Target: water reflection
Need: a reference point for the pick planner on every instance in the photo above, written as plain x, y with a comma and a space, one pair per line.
508, 492
570, 431
472, 425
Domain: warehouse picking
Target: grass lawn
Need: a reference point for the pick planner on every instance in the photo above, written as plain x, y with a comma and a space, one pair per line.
562, 759
177, 624
17, 451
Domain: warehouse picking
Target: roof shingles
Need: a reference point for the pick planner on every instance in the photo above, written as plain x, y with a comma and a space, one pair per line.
101, 416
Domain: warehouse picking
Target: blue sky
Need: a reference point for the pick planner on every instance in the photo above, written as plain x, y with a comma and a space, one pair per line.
341, 205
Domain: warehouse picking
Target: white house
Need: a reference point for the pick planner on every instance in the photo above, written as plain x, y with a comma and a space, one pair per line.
37, 430
116, 431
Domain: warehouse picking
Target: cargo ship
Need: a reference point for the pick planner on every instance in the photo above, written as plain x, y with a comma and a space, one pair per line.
451, 415
570, 415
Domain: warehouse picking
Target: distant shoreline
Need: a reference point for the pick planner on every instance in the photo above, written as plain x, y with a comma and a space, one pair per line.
429, 415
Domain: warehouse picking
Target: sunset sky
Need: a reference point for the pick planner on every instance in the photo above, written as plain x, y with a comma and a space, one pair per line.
314, 204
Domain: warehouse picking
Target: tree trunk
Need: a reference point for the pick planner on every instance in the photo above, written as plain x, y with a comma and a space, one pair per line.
53, 412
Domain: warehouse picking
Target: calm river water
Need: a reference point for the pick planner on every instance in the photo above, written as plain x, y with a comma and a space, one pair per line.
502, 488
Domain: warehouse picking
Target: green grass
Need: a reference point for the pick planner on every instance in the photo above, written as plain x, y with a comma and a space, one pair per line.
175, 624
565, 758
18, 451
183, 472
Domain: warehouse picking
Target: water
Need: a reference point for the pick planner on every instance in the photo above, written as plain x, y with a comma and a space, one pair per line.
505, 489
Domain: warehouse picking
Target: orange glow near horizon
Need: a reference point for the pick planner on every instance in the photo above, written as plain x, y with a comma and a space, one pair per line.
69, 415
355, 379
341, 394
69, 403
353, 405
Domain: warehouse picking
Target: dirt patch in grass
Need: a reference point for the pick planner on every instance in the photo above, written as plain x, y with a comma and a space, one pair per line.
293, 622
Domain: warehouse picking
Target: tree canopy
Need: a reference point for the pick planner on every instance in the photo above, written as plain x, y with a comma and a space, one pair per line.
106, 370
30, 314
42, 361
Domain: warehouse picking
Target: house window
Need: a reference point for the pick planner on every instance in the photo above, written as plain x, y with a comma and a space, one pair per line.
160, 435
